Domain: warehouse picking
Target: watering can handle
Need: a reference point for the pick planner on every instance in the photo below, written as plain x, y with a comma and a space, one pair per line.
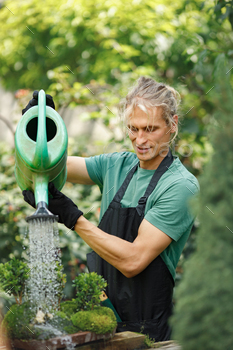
41, 159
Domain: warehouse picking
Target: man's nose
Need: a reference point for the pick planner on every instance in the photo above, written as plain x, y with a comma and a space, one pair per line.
141, 137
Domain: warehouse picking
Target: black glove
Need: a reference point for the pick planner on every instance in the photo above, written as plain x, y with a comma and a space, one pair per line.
34, 102
60, 205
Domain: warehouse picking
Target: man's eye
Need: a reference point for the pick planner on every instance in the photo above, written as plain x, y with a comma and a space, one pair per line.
151, 129
132, 128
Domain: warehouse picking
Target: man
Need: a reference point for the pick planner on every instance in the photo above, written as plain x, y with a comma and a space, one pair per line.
145, 218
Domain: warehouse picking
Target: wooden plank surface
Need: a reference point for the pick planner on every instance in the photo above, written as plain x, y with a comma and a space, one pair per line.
166, 345
121, 341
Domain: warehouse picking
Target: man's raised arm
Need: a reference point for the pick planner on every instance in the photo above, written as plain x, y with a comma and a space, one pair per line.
77, 171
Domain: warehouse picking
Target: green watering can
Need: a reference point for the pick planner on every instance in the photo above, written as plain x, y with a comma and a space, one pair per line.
41, 152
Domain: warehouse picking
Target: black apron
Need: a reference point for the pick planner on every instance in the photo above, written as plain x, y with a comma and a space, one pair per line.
143, 302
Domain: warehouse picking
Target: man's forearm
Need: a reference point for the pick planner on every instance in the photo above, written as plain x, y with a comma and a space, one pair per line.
114, 250
129, 258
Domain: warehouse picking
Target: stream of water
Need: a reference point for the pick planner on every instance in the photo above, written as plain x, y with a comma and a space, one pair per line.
43, 288
44, 255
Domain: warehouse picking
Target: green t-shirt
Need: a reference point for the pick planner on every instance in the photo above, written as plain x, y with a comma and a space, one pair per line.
167, 207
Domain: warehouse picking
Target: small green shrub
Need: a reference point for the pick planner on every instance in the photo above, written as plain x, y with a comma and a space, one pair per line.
89, 288
101, 320
13, 276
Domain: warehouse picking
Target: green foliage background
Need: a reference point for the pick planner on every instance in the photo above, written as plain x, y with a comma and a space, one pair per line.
89, 53
203, 314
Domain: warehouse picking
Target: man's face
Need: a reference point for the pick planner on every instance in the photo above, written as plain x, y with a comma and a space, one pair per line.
150, 136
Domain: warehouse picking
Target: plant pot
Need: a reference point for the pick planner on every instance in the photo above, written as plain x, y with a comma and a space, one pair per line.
60, 342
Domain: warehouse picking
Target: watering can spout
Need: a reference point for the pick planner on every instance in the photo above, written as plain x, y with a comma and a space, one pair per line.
43, 213
41, 159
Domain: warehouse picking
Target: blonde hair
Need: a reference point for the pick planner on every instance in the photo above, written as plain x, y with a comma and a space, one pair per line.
147, 94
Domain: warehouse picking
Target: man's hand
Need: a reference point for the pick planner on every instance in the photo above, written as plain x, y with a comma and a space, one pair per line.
34, 102
60, 205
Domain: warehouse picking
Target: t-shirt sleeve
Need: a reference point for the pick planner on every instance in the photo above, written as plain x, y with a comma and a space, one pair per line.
172, 213
96, 167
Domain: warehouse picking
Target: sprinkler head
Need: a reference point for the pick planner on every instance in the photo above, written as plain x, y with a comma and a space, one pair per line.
43, 213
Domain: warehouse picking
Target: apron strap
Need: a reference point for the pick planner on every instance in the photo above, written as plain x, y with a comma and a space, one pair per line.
163, 166
120, 193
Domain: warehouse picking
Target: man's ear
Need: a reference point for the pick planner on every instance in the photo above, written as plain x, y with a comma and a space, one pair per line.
174, 126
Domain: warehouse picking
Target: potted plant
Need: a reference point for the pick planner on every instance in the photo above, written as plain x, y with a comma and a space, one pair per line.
79, 320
